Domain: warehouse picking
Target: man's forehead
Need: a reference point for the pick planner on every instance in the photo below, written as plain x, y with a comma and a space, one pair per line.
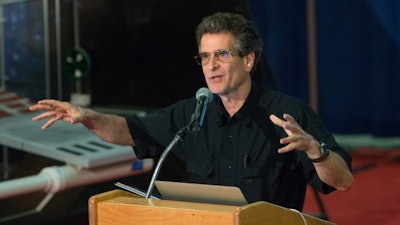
214, 42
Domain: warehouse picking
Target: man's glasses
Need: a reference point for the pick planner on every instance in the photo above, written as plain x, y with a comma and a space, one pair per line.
220, 55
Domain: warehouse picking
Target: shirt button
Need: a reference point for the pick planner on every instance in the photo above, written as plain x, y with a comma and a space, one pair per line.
229, 167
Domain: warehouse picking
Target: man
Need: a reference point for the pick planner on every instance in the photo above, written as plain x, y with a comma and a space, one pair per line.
243, 142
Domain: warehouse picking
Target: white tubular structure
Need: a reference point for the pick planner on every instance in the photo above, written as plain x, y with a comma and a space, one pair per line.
58, 178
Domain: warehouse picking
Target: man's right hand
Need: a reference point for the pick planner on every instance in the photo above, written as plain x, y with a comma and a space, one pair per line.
57, 110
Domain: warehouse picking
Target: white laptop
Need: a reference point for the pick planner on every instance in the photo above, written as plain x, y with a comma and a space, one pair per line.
202, 193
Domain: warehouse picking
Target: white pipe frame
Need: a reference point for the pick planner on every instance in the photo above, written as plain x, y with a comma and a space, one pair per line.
55, 179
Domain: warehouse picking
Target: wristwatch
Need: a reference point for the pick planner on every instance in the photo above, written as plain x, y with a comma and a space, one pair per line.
324, 153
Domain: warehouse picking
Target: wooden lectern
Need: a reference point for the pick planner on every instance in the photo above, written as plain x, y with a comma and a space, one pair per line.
119, 207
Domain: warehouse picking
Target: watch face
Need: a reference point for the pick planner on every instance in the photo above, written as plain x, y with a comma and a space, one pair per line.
323, 147
324, 154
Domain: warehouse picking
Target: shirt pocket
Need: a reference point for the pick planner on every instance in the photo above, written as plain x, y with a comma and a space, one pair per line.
259, 183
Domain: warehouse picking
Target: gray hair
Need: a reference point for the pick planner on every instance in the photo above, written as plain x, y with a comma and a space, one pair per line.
246, 36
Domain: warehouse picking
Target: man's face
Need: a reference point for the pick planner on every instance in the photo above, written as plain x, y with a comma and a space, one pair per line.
225, 72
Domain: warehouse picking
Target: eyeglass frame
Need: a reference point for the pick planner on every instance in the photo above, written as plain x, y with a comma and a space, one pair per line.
199, 58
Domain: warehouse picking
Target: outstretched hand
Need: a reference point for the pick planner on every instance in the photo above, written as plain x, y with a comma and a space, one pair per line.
297, 138
57, 110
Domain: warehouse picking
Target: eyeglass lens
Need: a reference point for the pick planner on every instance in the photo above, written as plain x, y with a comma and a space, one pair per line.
220, 55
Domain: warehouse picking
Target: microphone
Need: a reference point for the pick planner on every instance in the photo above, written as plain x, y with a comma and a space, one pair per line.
204, 97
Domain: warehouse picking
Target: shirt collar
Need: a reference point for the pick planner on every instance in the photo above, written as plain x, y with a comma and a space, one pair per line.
247, 108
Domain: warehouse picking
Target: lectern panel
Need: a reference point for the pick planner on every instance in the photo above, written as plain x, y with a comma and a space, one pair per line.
118, 207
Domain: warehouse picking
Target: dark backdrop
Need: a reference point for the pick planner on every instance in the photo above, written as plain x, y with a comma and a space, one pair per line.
358, 49
142, 51
142, 54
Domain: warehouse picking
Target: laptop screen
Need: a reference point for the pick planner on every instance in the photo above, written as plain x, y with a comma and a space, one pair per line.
201, 193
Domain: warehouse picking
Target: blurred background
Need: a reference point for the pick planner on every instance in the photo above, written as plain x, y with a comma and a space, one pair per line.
134, 56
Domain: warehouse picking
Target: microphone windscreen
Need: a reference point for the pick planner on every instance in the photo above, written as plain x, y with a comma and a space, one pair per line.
204, 92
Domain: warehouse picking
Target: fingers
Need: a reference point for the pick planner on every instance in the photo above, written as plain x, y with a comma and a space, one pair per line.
292, 129
35, 107
54, 111
47, 104
293, 142
289, 118
290, 143
49, 123
44, 115
276, 120
54, 117
286, 148
289, 124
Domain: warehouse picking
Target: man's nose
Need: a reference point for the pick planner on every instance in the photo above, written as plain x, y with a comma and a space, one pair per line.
213, 62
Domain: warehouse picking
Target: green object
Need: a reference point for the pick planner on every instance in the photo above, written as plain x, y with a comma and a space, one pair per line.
76, 64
